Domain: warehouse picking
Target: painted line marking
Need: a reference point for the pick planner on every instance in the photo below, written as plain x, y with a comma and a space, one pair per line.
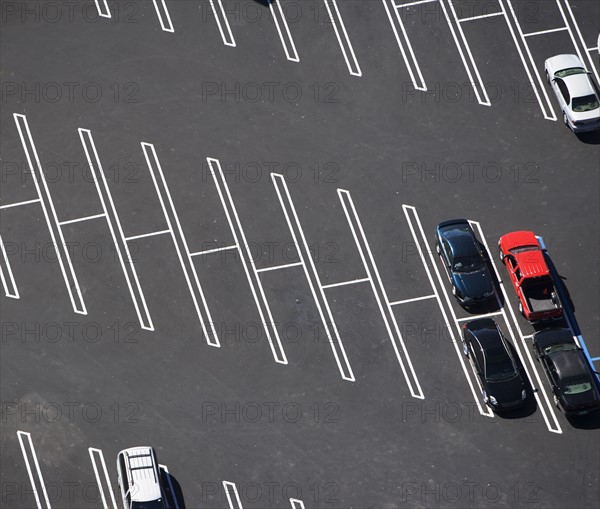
413, 61
60, 248
595, 359
529, 64
353, 67
18, 204
91, 451
279, 267
220, 15
296, 504
580, 36
80, 219
312, 278
216, 250
481, 16
486, 412
102, 14
144, 235
230, 489
528, 336
541, 32
362, 244
12, 291
166, 27
344, 283
187, 264
416, 299
485, 101
410, 4
164, 467
40, 478
114, 225
287, 39
538, 381
254, 281
477, 317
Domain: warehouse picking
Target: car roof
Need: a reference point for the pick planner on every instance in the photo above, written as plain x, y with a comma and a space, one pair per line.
517, 239
579, 85
569, 364
532, 263
486, 332
142, 474
461, 240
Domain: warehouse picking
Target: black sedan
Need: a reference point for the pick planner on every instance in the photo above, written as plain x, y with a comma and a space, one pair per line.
503, 387
573, 383
461, 253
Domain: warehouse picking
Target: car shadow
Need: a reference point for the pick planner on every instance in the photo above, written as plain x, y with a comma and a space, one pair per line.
264, 3
591, 138
173, 493
590, 421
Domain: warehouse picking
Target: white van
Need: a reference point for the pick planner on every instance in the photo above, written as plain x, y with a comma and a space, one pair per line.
139, 479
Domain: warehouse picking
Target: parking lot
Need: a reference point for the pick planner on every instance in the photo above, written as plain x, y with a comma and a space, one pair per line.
217, 239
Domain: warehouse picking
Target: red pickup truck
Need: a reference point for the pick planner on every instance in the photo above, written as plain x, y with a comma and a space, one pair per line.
523, 257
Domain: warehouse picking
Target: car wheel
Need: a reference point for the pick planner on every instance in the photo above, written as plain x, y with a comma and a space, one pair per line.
454, 290
500, 254
556, 401
437, 249
521, 309
566, 120
547, 78
485, 397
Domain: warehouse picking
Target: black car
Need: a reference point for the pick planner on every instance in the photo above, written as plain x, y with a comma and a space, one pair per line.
573, 382
461, 253
503, 387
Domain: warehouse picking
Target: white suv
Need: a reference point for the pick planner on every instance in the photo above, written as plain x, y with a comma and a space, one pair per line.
139, 479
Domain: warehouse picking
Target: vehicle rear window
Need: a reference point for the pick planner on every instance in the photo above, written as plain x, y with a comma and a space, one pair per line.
522, 249
561, 347
577, 388
563, 73
585, 103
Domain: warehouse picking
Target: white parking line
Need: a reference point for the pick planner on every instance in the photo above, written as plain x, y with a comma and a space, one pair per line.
296, 504
164, 467
12, 291
286, 37
18, 204
168, 26
528, 64
413, 61
221, 18
231, 489
254, 280
345, 283
114, 225
312, 278
81, 219
336, 19
145, 235
215, 250
541, 32
548, 406
477, 317
587, 50
101, 484
279, 267
61, 248
416, 299
410, 4
481, 16
187, 264
40, 478
486, 412
106, 13
377, 285
470, 64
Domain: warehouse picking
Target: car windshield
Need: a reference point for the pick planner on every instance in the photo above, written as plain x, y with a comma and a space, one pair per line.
522, 249
499, 366
467, 263
563, 73
577, 387
560, 347
585, 103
